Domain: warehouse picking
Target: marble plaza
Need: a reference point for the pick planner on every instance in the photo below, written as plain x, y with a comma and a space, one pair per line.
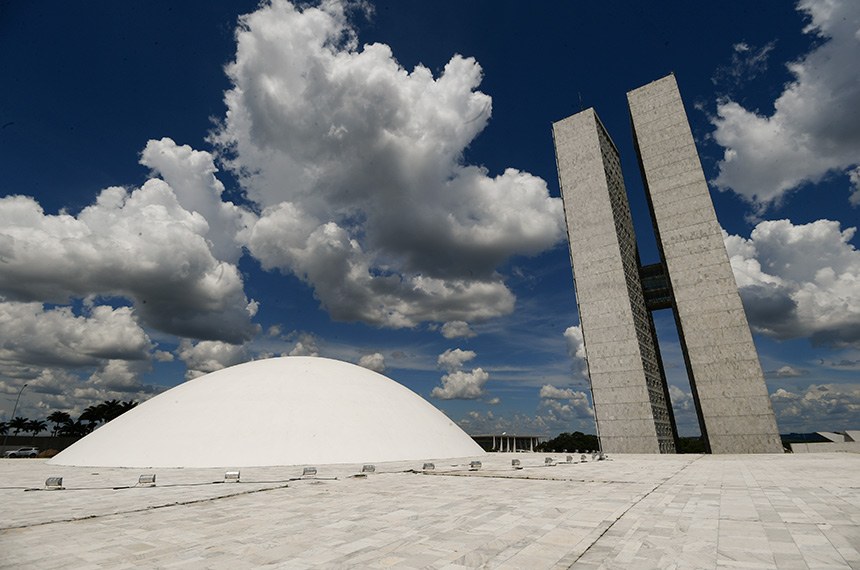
630, 511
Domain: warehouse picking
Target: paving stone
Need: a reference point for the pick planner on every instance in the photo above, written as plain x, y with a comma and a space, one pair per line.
632, 511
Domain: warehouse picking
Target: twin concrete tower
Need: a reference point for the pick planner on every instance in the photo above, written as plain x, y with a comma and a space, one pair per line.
616, 294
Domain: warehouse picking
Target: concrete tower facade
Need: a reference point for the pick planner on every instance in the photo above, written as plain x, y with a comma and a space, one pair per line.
616, 294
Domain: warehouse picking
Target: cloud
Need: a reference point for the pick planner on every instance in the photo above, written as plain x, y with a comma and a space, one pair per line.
788, 372
565, 403
457, 383
117, 377
69, 360
306, 345
162, 356
461, 385
747, 63
681, 399
457, 329
33, 337
544, 421
686, 419
191, 175
854, 177
576, 349
357, 166
50, 389
551, 392
454, 359
821, 407
375, 362
476, 422
843, 363
800, 281
208, 356
814, 129
140, 245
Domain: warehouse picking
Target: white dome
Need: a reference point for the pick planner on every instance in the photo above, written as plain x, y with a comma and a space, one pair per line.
282, 411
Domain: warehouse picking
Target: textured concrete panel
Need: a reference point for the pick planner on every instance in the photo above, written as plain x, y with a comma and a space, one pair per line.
630, 402
725, 374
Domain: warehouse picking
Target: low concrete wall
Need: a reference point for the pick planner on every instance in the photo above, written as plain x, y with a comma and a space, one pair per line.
43, 442
826, 447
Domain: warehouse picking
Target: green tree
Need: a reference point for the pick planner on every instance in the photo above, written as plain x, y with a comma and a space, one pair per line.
18, 424
36, 426
74, 429
4, 428
58, 418
691, 445
110, 409
569, 443
92, 415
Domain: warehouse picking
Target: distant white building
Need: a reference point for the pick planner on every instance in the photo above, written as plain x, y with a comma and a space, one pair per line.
848, 441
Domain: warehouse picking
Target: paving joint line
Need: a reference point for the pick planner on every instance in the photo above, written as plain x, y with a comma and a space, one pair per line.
510, 478
627, 510
143, 509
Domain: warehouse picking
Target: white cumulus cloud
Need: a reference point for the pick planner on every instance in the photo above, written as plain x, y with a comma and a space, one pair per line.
800, 281
457, 329
208, 356
71, 360
576, 349
788, 372
56, 388
565, 403
820, 407
375, 362
32, 337
306, 345
458, 383
191, 175
357, 166
461, 385
453, 359
815, 127
550, 392
141, 245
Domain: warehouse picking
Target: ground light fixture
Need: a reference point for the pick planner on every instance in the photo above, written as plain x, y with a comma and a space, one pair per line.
474, 466
429, 467
368, 469
515, 463
231, 477
54, 484
549, 462
147, 479
309, 472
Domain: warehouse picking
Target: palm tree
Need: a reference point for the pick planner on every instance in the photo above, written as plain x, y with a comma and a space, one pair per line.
93, 415
36, 426
58, 418
74, 429
110, 409
18, 424
4, 428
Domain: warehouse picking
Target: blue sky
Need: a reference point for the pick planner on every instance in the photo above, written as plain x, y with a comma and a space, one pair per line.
376, 183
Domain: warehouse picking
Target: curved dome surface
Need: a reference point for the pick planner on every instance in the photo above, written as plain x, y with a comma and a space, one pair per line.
295, 410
